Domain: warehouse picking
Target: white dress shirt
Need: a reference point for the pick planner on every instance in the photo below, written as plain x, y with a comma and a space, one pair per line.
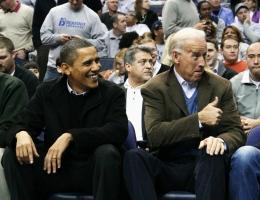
134, 104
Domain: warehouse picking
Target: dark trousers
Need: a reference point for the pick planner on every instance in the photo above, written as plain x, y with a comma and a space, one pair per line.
42, 60
100, 175
148, 177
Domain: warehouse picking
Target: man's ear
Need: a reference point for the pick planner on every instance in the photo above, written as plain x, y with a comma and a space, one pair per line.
114, 25
14, 53
175, 57
128, 67
64, 68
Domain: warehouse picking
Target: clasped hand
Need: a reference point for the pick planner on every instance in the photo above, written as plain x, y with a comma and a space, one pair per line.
26, 150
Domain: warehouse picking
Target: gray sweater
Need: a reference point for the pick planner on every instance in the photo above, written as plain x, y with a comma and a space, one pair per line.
63, 20
178, 14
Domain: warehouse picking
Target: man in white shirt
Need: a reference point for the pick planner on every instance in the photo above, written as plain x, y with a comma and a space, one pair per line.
139, 66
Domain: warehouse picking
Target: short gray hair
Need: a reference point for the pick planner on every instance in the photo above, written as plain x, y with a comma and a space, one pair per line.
178, 40
132, 51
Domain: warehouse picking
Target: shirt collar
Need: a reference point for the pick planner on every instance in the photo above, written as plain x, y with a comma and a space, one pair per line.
246, 79
127, 85
113, 36
71, 91
182, 81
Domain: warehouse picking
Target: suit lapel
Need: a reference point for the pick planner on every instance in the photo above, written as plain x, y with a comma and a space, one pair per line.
175, 92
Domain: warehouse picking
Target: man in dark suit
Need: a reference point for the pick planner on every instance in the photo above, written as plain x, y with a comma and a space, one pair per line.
192, 127
8, 66
84, 124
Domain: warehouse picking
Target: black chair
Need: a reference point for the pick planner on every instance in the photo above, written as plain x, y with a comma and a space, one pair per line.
106, 63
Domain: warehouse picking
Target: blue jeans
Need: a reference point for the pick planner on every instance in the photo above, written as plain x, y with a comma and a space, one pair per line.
245, 174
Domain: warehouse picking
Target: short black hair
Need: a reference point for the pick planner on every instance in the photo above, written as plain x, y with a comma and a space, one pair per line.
68, 52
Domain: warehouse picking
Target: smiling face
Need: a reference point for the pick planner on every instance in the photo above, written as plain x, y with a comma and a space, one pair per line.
190, 61
253, 60
83, 72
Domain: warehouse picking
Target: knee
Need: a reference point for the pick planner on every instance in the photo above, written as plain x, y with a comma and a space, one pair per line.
133, 154
106, 154
8, 156
245, 156
214, 160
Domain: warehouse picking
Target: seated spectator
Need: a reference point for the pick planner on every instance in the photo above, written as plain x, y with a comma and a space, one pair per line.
216, 65
13, 97
254, 12
128, 39
222, 12
144, 14
139, 67
33, 67
246, 160
158, 36
131, 21
205, 12
82, 135
232, 30
157, 67
192, 127
118, 75
242, 13
106, 18
230, 50
112, 38
8, 66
